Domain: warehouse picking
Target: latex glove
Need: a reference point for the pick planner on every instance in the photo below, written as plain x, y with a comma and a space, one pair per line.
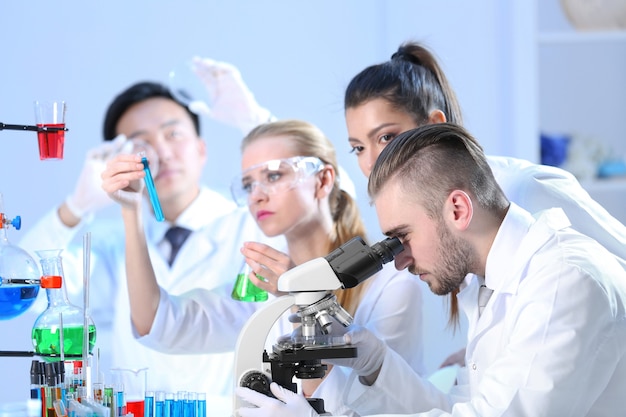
370, 352
88, 195
232, 102
290, 404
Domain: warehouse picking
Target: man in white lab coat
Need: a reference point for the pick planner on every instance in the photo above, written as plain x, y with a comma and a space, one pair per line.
546, 305
207, 263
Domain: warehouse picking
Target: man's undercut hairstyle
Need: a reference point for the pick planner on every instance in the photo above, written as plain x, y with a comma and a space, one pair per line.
433, 160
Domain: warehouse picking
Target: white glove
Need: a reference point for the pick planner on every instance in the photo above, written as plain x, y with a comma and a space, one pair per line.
370, 352
232, 102
290, 404
88, 195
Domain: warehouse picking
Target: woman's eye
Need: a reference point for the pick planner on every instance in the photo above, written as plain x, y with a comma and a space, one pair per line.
357, 149
273, 176
247, 187
386, 138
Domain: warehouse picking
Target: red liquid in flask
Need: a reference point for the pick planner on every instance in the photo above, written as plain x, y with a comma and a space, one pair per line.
51, 142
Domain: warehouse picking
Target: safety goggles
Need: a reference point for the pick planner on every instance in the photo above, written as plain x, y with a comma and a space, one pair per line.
274, 176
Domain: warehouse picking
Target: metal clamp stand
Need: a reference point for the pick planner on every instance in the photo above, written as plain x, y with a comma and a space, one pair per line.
31, 128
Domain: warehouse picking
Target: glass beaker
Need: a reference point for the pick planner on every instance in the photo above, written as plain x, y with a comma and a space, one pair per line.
50, 116
19, 273
133, 382
60, 320
185, 84
244, 289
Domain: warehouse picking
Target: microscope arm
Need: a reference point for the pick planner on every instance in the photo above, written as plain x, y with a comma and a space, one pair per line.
251, 341
314, 275
307, 284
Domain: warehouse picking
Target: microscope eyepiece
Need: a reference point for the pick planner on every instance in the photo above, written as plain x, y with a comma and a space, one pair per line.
355, 261
387, 249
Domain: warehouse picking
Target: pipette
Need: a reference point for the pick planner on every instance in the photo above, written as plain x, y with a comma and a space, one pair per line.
154, 198
86, 274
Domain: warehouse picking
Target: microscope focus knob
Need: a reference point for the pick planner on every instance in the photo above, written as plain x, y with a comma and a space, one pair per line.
256, 381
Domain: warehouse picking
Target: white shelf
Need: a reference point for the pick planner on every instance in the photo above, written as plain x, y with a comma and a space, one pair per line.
547, 38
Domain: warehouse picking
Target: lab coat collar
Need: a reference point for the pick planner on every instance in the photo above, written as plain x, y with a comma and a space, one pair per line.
500, 270
502, 255
520, 235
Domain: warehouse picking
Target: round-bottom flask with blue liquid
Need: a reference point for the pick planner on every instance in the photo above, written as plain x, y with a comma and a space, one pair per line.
19, 273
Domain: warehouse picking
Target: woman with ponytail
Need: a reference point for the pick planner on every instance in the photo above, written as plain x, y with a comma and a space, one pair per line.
290, 183
410, 90
381, 102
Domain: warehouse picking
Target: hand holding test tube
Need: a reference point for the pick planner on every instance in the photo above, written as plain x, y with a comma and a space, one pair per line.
149, 157
131, 195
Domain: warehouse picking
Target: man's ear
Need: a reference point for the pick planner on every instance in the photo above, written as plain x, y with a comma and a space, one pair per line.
460, 209
436, 116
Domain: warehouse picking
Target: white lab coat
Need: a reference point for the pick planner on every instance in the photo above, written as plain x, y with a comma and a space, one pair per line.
538, 187
550, 342
209, 260
392, 309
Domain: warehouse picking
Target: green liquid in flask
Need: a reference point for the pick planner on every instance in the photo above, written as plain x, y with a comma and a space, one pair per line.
245, 290
47, 342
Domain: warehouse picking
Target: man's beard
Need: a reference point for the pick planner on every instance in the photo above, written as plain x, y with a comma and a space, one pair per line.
456, 257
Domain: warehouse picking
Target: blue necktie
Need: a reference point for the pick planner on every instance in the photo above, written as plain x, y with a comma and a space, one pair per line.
484, 294
176, 235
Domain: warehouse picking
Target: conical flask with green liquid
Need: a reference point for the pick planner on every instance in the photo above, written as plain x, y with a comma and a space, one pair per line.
61, 325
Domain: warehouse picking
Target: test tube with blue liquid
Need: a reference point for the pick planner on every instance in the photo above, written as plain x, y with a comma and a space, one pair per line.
150, 162
180, 404
201, 405
189, 405
148, 404
152, 193
170, 405
159, 404
120, 401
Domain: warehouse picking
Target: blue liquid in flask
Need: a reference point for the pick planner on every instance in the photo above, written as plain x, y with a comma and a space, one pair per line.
16, 299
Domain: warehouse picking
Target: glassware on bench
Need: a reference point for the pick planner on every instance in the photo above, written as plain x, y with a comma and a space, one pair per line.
244, 289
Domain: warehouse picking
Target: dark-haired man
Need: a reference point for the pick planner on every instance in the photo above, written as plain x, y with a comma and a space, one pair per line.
213, 231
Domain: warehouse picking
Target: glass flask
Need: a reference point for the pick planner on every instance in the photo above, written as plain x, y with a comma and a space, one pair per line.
244, 289
134, 383
19, 272
46, 333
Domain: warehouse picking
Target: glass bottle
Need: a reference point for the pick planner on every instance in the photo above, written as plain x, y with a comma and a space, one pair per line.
19, 272
244, 289
59, 313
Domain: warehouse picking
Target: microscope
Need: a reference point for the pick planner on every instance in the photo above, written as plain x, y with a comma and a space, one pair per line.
310, 288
